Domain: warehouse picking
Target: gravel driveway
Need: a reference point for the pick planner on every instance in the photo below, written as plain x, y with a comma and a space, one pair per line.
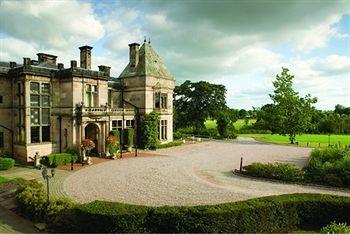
188, 175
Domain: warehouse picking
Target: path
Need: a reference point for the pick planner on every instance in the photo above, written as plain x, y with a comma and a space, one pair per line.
188, 175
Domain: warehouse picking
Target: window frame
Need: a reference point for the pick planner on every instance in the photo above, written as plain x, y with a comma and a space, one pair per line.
42, 91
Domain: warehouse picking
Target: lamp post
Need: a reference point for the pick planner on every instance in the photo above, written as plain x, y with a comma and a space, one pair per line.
46, 177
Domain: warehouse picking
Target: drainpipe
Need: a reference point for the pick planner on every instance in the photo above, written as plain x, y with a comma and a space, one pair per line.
60, 128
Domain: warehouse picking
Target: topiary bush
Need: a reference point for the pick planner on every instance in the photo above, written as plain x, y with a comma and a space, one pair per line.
282, 213
6, 163
128, 137
279, 171
149, 131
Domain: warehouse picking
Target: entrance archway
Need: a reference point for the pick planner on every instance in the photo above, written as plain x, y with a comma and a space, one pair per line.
92, 133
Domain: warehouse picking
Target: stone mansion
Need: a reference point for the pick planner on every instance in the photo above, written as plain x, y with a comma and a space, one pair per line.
47, 108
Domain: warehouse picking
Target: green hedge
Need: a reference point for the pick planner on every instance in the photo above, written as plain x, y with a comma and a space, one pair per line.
6, 163
279, 171
128, 137
329, 166
62, 158
170, 144
336, 228
269, 214
32, 202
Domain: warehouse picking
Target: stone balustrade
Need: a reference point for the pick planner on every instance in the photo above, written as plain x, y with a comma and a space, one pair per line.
97, 111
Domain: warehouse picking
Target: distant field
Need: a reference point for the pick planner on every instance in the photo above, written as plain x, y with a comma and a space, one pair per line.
238, 124
303, 140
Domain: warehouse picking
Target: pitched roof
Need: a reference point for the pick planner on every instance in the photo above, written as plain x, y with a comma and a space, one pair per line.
150, 64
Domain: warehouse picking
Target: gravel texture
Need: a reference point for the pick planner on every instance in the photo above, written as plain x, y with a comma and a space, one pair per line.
188, 175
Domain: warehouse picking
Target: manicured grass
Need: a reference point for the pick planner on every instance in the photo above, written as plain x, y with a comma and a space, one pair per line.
5, 180
238, 124
303, 140
210, 124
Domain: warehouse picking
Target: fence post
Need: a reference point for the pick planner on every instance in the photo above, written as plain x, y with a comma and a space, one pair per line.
241, 165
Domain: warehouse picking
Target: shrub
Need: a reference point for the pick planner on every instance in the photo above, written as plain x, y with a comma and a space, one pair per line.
279, 171
336, 228
6, 163
183, 132
62, 159
329, 166
58, 215
128, 137
170, 144
268, 214
149, 131
31, 199
5, 154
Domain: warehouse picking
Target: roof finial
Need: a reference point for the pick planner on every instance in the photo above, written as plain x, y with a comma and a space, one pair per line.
144, 39
149, 40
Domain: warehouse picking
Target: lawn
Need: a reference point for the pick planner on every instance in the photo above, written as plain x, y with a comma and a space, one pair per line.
303, 140
5, 180
238, 124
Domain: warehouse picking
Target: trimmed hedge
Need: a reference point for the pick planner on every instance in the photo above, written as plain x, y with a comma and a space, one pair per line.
279, 171
170, 144
336, 228
128, 137
329, 166
31, 201
6, 163
62, 158
269, 214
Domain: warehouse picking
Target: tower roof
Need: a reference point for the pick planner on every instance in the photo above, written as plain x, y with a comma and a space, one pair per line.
150, 64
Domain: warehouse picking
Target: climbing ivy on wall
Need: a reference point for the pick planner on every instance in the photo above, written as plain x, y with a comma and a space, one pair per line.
149, 131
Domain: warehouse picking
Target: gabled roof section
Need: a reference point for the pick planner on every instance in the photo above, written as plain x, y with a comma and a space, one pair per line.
150, 64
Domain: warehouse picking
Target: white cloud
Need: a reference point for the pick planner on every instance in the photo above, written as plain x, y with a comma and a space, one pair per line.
50, 24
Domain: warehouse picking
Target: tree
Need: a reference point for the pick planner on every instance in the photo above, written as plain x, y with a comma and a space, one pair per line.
222, 123
194, 102
292, 113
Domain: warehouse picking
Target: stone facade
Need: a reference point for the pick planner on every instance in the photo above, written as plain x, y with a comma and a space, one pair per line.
47, 108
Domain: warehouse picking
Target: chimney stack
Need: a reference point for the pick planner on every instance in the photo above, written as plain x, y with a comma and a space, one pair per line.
134, 54
60, 66
47, 58
73, 64
13, 64
105, 69
85, 57
26, 62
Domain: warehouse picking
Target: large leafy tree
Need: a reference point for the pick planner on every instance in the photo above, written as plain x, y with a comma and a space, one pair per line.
194, 102
292, 114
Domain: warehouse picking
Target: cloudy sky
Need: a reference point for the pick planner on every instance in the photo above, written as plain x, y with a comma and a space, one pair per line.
241, 44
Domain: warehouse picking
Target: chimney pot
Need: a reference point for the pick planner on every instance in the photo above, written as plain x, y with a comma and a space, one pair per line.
73, 64
105, 69
13, 64
60, 66
85, 57
26, 62
134, 54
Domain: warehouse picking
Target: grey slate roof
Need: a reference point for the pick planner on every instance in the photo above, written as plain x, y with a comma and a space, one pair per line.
150, 64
